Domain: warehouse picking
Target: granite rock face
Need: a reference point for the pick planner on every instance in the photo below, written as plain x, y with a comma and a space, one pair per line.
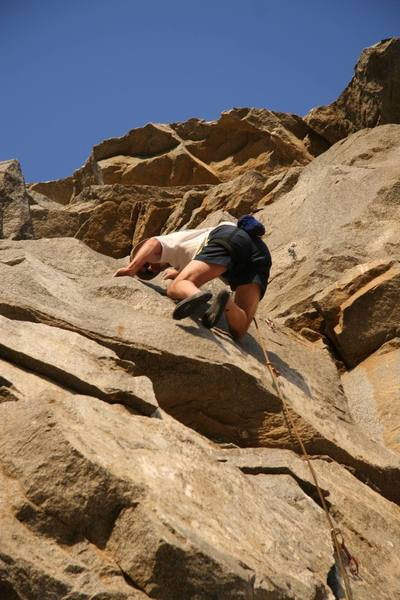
370, 99
15, 218
349, 501
102, 341
142, 457
154, 504
342, 212
372, 389
367, 316
199, 152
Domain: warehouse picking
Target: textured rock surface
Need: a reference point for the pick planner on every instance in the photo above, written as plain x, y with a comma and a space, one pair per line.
201, 378
58, 190
160, 177
50, 219
108, 217
361, 310
370, 99
373, 390
121, 480
76, 362
238, 197
370, 524
141, 457
343, 211
15, 218
198, 151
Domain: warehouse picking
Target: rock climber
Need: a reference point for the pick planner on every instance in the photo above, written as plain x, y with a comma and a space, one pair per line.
192, 257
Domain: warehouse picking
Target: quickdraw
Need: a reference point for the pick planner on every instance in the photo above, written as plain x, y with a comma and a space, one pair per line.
350, 561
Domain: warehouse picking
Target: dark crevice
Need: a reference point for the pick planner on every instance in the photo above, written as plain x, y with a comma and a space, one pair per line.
334, 583
95, 527
7, 592
5, 383
308, 488
129, 580
69, 382
51, 373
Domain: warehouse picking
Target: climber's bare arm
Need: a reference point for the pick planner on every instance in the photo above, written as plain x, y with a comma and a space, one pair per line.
150, 252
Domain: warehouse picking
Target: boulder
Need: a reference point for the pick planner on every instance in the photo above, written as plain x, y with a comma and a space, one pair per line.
200, 377
373, 391
370, 99
15, 218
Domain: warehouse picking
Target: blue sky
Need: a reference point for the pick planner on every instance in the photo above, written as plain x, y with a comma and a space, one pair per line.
78, 71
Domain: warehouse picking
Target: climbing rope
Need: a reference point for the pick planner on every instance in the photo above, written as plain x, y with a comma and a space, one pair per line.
336, 534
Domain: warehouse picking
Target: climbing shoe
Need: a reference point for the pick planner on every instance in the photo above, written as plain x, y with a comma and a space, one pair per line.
186, 307
214, 313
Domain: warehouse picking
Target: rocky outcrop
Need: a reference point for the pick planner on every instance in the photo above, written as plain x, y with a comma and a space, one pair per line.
58, 190
198, 152
160, 177
62, 191
108, 218
360, 311
238, 196
342, 212
370, 99
195, 152
245, 139
50, 219
15, 218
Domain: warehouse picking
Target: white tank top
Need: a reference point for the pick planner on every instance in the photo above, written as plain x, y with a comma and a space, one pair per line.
179, 248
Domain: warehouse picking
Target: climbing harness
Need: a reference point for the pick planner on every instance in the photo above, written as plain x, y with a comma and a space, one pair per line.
343, 555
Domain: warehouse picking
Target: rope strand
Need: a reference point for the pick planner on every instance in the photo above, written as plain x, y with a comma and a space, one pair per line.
334, 531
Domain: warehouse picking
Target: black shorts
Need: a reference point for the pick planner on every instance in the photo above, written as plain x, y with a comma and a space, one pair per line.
252, 260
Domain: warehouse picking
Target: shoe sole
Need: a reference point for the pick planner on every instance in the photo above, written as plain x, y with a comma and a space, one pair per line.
214, 313
186, 307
